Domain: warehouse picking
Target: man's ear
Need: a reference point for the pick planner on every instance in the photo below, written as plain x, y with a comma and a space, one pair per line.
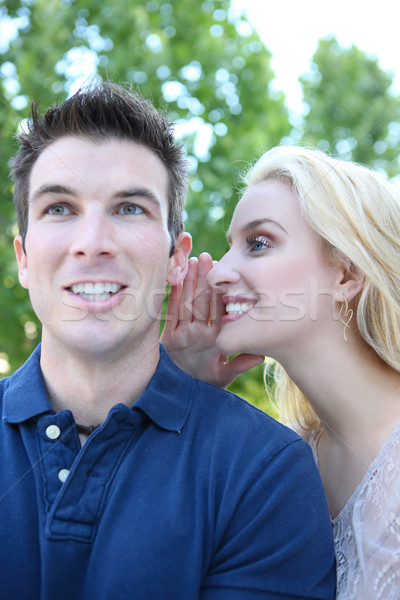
178, 263
22, 261
350, 282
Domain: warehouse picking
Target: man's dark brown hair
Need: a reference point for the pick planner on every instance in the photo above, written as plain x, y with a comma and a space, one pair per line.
99, 112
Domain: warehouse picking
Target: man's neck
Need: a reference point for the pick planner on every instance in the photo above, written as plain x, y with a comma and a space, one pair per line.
91, 387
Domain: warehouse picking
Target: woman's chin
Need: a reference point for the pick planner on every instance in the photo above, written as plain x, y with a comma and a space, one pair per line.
227, 346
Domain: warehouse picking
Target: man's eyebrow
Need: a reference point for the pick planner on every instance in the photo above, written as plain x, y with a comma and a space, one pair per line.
254, 224
49, 188
121, 194
138, 192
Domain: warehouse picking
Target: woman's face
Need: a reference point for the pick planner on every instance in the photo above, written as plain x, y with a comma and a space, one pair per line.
275, 280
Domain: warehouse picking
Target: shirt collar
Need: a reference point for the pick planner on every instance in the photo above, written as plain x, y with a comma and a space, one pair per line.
167, 400
26, 394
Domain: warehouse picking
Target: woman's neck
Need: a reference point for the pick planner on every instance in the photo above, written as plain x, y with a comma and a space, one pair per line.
353, 392
357, 399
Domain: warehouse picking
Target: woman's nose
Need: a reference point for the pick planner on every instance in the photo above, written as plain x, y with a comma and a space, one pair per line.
224, 272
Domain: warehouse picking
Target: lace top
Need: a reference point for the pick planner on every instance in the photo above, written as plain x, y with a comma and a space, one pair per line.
367, 530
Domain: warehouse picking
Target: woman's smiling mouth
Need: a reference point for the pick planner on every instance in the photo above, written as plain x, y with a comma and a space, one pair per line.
236, 307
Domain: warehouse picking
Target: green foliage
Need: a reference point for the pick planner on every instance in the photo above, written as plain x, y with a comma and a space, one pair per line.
248, 386
207, 68
353, 112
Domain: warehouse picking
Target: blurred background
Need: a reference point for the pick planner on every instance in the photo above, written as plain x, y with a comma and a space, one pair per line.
211, 67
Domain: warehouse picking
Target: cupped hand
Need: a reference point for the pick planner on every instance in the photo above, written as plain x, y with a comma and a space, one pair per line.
192, 326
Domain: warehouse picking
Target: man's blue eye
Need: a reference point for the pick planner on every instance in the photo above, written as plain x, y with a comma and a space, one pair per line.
58, 209
130, 209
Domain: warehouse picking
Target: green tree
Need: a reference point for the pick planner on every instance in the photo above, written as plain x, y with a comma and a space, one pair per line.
205, 65
353, 111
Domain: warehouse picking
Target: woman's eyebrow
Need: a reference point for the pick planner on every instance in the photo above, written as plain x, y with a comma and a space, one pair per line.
254, 224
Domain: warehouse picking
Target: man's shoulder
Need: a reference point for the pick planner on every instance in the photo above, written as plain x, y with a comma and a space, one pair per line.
9, 381
233, 416
238, 416
27, 380
4, 383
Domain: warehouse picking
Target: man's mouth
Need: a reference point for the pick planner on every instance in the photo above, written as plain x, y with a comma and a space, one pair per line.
98, 292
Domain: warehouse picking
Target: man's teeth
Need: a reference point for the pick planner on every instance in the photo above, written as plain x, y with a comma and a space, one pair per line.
98, 291
238, 308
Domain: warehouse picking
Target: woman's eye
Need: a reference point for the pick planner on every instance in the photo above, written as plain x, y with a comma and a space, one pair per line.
130, 209
58, 210
258, 243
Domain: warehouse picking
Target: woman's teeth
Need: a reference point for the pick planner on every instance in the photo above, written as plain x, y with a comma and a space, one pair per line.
237, 308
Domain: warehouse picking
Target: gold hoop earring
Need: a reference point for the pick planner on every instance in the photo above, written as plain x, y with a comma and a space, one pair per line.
347, 314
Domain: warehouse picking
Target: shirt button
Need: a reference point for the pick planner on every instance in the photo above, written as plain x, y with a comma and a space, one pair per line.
63, 474
53, 432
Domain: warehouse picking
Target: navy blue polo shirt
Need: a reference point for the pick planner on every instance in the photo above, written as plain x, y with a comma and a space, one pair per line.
190, 494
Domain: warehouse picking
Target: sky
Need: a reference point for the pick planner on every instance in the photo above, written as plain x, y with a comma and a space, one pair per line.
291, 29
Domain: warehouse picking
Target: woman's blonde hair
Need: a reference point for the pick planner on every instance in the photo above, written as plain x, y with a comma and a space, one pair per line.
357, 212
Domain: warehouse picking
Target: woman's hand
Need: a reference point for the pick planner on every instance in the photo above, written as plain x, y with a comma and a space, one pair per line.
192, 326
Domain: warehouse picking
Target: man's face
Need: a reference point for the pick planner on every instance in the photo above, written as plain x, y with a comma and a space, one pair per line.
97, 245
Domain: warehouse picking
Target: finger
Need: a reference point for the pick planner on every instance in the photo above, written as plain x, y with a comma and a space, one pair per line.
202, 292
188, 286
217, 308
205, 264
243, 362
172, 315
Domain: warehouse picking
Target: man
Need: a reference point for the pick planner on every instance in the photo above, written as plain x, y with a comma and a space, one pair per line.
122, 476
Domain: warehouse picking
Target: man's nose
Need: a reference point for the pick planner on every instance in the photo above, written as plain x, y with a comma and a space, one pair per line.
93, 236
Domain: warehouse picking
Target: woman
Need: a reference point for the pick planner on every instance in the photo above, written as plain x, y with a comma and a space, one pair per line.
312, 280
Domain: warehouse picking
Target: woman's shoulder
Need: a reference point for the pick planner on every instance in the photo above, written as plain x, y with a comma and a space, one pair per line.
311, 436
367, 531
